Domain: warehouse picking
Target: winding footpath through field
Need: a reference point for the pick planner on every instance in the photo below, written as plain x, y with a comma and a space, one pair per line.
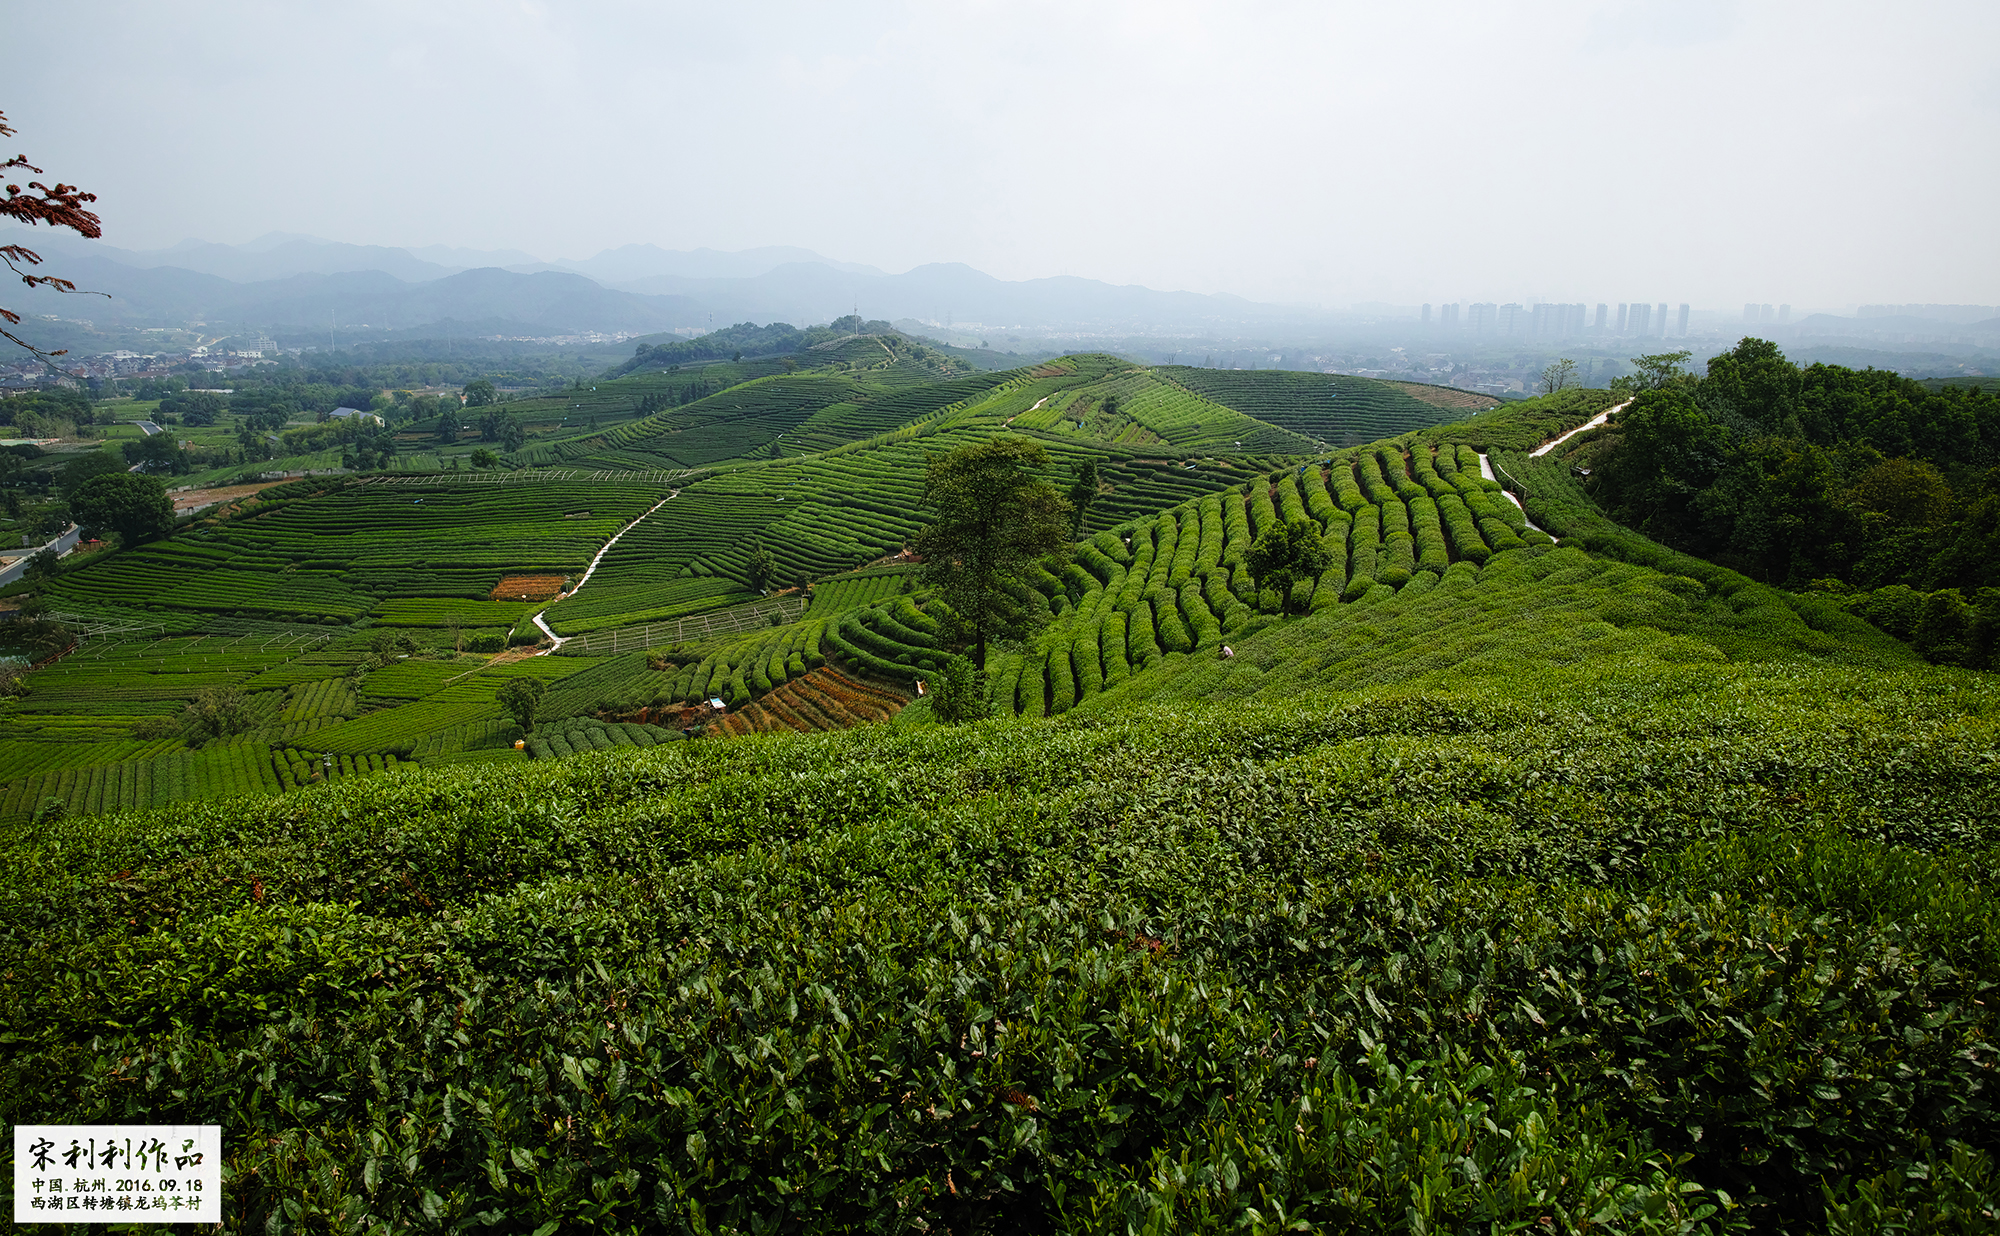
557, 641
1592, 423
1038, 403
1486, 467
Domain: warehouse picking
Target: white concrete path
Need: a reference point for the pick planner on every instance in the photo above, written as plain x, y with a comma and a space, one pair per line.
558, 641
1592, 423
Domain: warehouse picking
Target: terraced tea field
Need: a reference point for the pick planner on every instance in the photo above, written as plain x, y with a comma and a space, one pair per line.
1336, 409
815, 470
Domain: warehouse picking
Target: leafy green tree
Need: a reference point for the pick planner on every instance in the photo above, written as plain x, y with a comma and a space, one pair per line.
253, 444
1657, 372
483, 458
995, 519
71, 476
512, 436
1759, 383
521, 697
42, 565
480, 393
1284, 555
959, 693
35, 631
760, 568
1560, 376
216, 712
199, 409
1668, 452
1774, 514
160, 452
1082, 492
133, 506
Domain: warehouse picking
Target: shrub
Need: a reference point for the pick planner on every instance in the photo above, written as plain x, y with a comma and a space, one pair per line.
960, 692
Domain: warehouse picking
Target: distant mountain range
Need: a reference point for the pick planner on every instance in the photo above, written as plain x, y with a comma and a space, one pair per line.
298, 288
299, 284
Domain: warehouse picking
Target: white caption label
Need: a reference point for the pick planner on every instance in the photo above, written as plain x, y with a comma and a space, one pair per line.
110, 1173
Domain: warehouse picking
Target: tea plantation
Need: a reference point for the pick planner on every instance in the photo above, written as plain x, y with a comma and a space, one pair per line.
662, 485
1530, 876
1608, 930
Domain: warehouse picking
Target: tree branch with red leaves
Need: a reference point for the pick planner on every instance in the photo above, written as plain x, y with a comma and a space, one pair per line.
57, 205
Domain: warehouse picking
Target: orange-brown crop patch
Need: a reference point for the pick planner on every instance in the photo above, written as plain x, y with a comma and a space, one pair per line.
1446, 396
526, 587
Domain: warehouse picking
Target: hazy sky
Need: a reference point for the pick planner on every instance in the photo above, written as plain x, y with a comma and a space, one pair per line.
1819, 153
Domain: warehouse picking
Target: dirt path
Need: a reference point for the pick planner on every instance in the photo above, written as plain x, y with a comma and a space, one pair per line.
1038, 403
196, 499
557, 641
1486, 466
1592, 423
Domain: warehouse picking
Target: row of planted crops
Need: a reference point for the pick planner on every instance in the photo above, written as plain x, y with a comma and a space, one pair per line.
1392, 518
328, 553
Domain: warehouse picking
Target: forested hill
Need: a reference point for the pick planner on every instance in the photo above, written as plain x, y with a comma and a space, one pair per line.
1874, 488
777, 339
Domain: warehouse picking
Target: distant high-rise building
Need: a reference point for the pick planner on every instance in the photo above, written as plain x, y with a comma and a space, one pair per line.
1682, 328
1642, 316
1513, 319
1449, 315
1784, 313
1481, 317
1579, 318
1601, 311
1427, 315
1749, 313
1624, 311
1767, 314
1546, 321
1663, 319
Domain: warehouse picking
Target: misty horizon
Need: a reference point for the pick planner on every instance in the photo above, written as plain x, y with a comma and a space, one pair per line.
759, 260
1712, 152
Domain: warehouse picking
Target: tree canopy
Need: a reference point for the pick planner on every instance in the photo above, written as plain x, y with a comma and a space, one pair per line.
1794, 475
522, 697
995, 520
133, 506
1286, 554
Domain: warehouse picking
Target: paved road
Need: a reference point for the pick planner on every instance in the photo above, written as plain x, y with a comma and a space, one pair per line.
62, 545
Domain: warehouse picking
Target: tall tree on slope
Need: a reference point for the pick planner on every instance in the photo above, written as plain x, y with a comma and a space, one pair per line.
995, 520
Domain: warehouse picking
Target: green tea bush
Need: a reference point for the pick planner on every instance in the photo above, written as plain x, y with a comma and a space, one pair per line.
1346, 492
1169, 628
1649, 947
1263, 511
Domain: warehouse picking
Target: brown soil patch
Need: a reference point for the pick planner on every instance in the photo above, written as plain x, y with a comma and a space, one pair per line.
202, 497
526, 587
1446, 396
826, 698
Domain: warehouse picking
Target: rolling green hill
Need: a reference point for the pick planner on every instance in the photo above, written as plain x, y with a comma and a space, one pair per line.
1533, 876
815, 455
